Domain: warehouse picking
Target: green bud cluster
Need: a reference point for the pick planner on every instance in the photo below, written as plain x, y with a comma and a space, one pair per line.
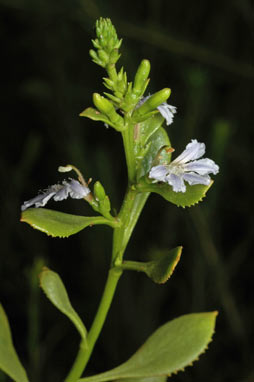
125, 95
106, 43
123, 106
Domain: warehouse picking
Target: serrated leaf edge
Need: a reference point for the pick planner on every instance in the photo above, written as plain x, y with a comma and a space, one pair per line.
177, 259
198, 357
35, 226
161, 375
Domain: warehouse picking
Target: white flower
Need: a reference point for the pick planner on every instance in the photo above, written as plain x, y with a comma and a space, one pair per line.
58, 192
186, 168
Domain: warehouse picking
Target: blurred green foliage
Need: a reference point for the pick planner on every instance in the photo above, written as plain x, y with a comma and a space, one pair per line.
203, 51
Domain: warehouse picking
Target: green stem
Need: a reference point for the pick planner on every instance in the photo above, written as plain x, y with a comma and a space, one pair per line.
132, 266
131, 209
128, 141
132, 206
85, 352
78, 365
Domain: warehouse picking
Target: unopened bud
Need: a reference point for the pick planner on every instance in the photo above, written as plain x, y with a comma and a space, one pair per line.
102, 104
141, 77
99, 191
153, 102
106, 107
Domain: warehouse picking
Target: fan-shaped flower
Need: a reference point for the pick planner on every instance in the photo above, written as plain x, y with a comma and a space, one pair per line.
187, 167
58, 192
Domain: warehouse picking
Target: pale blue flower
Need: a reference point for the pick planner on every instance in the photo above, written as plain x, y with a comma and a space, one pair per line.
58, 192
187, 167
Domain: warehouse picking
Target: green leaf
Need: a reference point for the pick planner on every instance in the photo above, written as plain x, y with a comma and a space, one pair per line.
60, 224
158, 270
162, 268
170, 348
192, 195
9, 361
54, 289
149, 127
96, 115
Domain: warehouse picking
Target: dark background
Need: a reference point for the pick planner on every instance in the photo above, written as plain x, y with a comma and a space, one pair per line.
203, 51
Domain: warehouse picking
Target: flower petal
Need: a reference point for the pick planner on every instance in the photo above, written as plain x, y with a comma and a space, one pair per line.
158, 173
193, 150
176, 182
38, 201
167, 111
202, 166
77, 190
63, 193
193, 178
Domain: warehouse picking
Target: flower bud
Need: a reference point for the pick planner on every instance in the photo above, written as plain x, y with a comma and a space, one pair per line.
106, 35
141, 78
152, 102
102, 104
103, 56
114, 56
102, 199
99, 191
106, 107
